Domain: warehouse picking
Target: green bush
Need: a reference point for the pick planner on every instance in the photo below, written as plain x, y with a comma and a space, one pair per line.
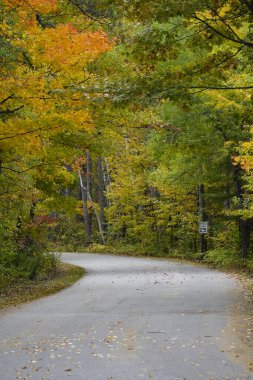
224, 259
67, 235
23, 254
185, 255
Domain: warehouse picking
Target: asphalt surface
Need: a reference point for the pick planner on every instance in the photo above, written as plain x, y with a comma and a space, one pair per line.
126, 319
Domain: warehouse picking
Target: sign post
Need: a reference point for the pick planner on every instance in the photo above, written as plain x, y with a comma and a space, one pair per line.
203, 228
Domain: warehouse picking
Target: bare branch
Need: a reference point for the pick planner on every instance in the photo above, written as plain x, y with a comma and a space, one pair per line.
24, 133
7, 111
30, 168
6, 99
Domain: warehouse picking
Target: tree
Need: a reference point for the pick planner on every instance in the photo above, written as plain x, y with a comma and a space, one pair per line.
45, 121
190, 64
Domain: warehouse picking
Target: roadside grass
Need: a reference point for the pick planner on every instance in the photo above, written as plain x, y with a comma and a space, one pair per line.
21, 291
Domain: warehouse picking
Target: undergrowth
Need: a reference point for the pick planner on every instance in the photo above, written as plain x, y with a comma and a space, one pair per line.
24, 290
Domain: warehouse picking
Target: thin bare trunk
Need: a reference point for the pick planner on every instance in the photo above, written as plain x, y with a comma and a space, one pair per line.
101, 197
244, 225
85, 208
107, 182
93, 206
89, 183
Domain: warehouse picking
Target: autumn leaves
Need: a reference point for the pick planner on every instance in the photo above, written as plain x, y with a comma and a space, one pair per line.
45, 121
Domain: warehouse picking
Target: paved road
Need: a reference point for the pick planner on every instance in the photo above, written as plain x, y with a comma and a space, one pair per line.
127, 319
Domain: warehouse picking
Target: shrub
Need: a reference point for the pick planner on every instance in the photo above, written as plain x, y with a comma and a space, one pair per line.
23, 254
224, 259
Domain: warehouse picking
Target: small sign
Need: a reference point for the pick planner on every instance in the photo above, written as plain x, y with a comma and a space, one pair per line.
203, 228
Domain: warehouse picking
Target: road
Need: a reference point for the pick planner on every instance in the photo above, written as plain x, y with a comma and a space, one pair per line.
126, 319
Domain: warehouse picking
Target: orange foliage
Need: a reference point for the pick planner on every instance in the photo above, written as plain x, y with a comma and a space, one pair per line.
64, 45
41, 92
42, 6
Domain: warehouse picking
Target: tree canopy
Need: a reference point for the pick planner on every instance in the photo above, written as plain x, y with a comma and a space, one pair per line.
126, 123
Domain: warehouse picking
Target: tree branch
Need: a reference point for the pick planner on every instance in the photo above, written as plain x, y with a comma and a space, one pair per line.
43, 24
237, 40
6, 99
221, 87
208, 87
27, 59
7, 111
30, 168
224, 22
222, 61
20, 134
65, 144
26, 133
87, 14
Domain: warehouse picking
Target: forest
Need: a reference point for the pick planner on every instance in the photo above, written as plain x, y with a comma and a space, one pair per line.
123, 126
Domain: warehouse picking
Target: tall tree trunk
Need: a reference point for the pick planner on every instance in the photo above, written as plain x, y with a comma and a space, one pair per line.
152, 192
227, 197
107, 181
155, 225
89, 185
93, 206
32, 210
101, 197
203, 217
67, 192
85, 208
194, 244
244, 225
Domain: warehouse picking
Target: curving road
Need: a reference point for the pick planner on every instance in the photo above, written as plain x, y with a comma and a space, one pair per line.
126, 319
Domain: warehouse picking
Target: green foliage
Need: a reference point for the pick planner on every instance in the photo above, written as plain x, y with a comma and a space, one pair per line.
120, 247
224, 259
24, 254
184, 69
23, 290
168, 110
68, 234
45, 125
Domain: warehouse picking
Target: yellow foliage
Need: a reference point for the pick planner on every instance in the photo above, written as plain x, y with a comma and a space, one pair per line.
40, 91
43, 6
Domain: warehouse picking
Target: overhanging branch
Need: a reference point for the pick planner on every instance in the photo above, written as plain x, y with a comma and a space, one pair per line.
221, 34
